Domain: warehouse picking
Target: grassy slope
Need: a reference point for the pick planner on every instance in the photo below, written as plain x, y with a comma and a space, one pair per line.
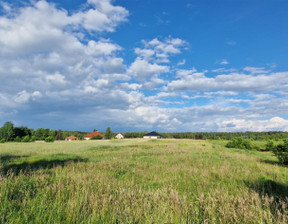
141, 181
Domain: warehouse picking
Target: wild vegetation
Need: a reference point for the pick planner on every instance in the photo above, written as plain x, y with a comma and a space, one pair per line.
140, 181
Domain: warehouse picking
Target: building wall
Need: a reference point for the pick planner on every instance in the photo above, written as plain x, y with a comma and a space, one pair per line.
119, 136
152, 137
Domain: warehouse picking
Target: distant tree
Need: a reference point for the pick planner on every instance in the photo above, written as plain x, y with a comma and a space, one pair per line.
239, 143
41, 133
49, 139
26, 138
53, 133
17, 139
22, 131
281, 151
108, 133
269, 146
59, 135
7, 131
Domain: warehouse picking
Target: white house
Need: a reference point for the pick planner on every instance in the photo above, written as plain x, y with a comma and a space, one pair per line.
153, 135
120, 136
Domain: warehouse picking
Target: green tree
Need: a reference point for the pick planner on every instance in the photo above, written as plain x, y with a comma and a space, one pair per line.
53, 133
41, 133
108, 133
26, 138
17, 139
269, 146
239, 143
59, 135
49, 139
22, 131
7, 131
281, 151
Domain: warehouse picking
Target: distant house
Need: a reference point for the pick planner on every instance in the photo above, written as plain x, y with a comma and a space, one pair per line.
153, 135
95, 133
71, 138
120, 136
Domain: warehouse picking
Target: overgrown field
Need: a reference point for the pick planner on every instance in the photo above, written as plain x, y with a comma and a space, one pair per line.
140, 181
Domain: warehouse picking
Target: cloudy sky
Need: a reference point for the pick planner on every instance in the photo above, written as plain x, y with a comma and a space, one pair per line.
136, 65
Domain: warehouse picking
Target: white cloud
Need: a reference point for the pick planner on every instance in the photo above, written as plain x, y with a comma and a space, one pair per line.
193, 81
180, 63
23, 96
273, 124
159, 51
143, 70
104, 16
224, 62
256, 70
57, 79
102, 47
6, 6
224, 70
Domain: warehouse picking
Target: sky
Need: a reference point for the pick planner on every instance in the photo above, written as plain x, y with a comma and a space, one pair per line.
144, 65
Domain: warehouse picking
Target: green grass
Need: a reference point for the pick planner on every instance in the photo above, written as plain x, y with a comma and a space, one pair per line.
140, 181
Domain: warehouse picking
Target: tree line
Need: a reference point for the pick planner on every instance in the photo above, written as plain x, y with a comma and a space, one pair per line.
271, 135
8, 132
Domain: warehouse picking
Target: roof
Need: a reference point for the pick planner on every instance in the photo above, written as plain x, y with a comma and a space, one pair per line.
153, 133
72, 137
90, 135
121, 134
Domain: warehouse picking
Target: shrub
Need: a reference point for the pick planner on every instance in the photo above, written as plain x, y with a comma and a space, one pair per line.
96, 137
49, 139
33, 139
17, 139
239, 143
2, 140
269, 146
26, 139
281, 151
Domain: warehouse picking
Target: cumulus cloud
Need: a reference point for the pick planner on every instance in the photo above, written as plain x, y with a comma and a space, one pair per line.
23, 96
189, 80
273, 124
160, 50
143, 70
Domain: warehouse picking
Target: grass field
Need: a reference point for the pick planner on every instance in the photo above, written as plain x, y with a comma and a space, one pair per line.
140, 181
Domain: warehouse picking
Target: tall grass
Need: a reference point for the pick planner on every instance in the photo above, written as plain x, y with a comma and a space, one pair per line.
140, 181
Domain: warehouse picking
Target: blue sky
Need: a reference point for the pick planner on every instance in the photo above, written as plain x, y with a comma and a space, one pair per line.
140, 65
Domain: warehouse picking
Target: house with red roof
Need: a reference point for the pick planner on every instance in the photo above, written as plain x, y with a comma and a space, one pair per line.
95, 133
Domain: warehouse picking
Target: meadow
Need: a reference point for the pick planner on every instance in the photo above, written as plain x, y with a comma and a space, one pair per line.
140, 181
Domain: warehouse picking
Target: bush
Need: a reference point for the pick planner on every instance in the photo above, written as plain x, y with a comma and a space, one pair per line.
33, 139
281, 151
239, 143
26, 139
17, 139
269, 146
49, 139
96, 137
2, 140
